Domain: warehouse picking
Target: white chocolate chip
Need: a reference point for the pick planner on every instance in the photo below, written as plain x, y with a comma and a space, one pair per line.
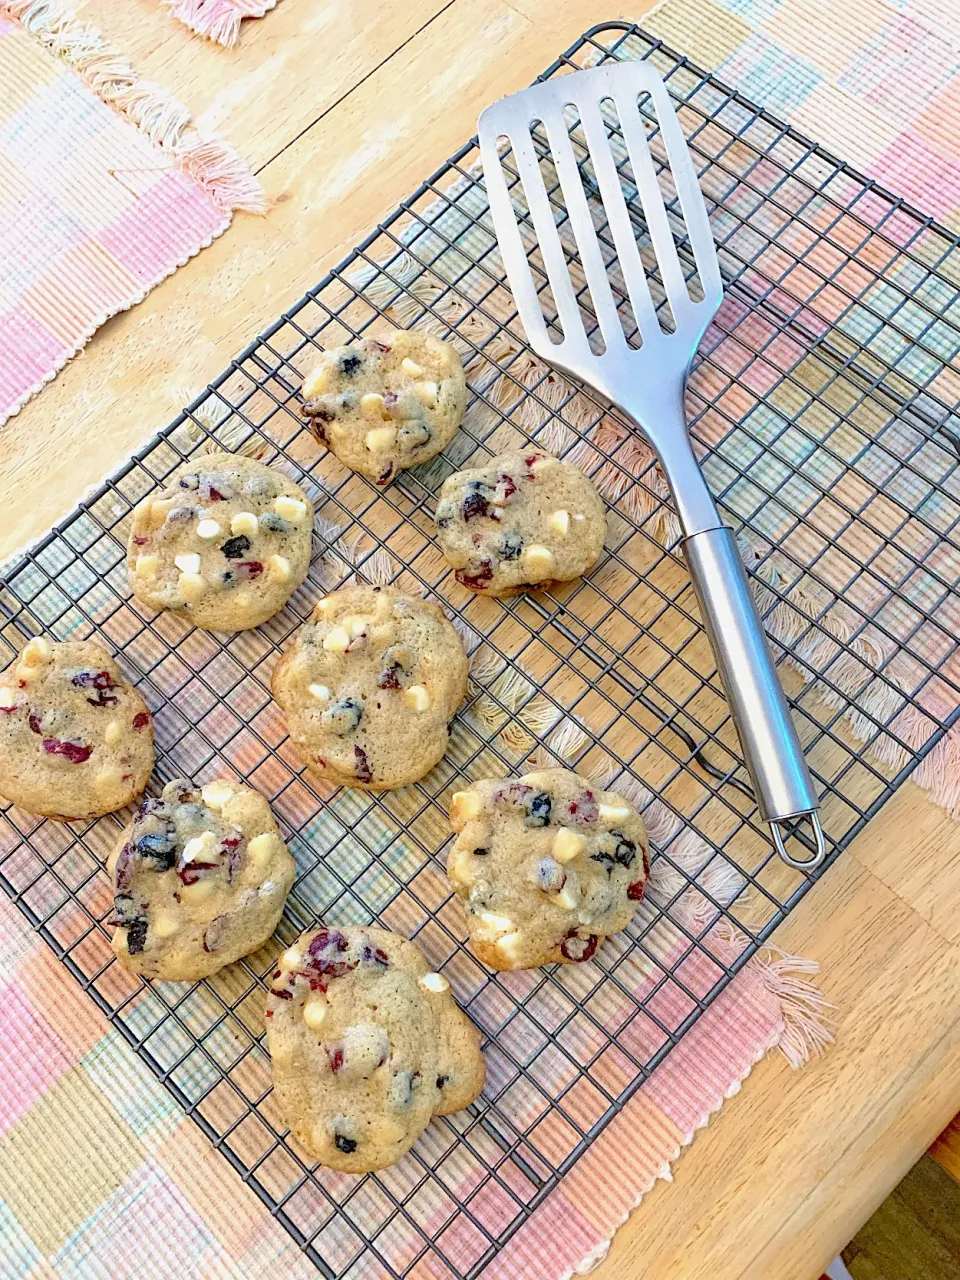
208, 529
262, 848
579, 516
386, 1130
416, 698
560, 522
510, 945
8, 697
216, 794
279, 567
379, 439
202, 847
355, 625
495, 923
316, 382
465, 806
188, 563
411, 368
539, 560
427, 394
337, 640
38, 650
245, 522
569, 895
290, 960
198, 892
290, 508
435, 982
164, 925
614, 812
319, 691
372, 406
191, 585
568, 845
112, 733
314, 1013
147, 566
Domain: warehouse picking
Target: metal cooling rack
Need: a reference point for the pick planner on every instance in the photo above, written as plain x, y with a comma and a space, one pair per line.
822, 408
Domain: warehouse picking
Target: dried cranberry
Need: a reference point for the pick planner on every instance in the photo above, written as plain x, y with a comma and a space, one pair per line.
388, 678
248, 569
578, 949
75, 752
33, 720
350, 364
336, 1059
372, 345
137, 936
635, 890
506, 488
385, 475
268, 1013
93, 680
283, 995
320, 411
148, 805
125, 909
7, 710
141, 719
236, 548
123, 871
344, 1144
477, 578
235, 846
139, 542
211, 492
362, 767
583, 811
190, 872
375, 955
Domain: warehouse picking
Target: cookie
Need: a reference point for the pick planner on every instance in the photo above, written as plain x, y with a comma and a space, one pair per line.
546, 866
199, 879
225, 542
384, 406
525, 520
369, 685
366, 1045
76, 741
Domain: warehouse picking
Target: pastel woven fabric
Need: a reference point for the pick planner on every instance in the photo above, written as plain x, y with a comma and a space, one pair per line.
218, 20
104, 191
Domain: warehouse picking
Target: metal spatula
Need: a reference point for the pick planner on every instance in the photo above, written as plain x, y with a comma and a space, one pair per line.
645, 382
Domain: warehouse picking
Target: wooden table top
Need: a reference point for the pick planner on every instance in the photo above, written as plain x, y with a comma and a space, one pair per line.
342, 107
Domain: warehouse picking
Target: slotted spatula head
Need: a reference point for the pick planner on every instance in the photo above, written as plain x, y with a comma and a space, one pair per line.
534, 124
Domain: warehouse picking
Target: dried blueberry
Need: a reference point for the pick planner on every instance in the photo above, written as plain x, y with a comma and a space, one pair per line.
274, 523
375, 955
389, 678
214, 934
441, 1081
476, 502
362, 767
605, 859
481, 852
344, 1144
93, 680
236, 548
157, 847
625, 851
445, 513
578, 949
349, 365
137, 936
125, 909
509, 546
189, 482
549, 875
538, 814
400, 1091
148, 805
342, 717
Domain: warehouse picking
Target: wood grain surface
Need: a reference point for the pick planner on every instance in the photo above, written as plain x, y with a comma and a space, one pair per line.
343, 106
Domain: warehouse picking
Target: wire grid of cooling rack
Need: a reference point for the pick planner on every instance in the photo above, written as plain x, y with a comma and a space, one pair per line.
821, 406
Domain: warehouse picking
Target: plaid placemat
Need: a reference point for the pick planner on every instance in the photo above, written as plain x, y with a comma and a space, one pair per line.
105, 189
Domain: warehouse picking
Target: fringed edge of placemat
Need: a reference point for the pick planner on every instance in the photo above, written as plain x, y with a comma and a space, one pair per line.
805, 1032
218, 20
214, 164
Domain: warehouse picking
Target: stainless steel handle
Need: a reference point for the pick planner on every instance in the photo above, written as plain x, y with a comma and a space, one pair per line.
758, 704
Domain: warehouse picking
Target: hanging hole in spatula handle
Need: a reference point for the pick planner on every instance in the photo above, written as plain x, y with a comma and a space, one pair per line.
807, 864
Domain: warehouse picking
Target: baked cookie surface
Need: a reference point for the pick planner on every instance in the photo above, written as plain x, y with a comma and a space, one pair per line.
369, 686
546, 866
384, 406
225, 542
525, 520
76, 741
200, 879
366, 1045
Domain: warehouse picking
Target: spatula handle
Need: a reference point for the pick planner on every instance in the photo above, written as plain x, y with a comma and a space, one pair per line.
759, 707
